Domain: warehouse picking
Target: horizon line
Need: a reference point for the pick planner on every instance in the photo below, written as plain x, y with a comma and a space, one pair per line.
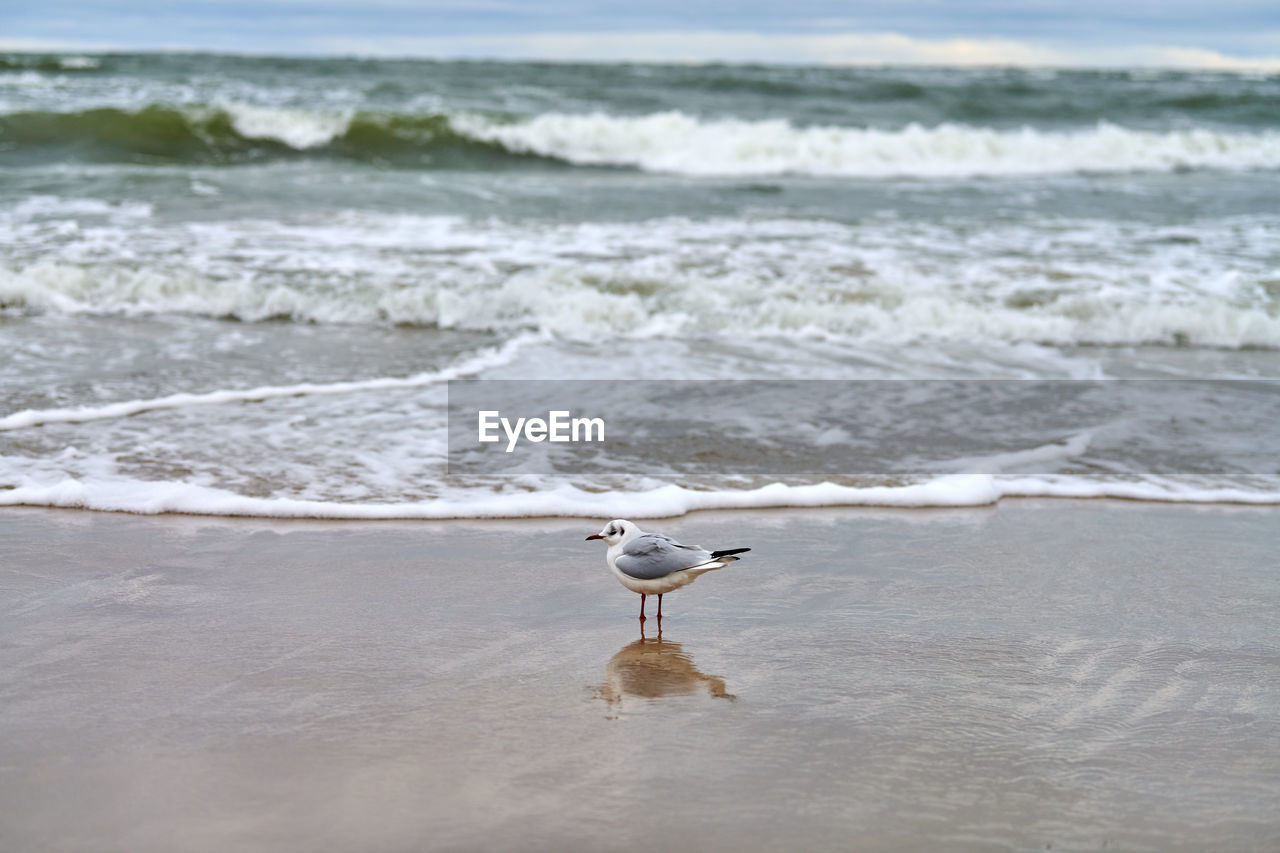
302, 55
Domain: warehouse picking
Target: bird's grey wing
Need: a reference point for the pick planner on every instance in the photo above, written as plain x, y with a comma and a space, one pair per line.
654, 556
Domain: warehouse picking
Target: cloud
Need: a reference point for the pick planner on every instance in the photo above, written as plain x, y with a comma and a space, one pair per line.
828, 41
44, 45
844, 48
1192, 57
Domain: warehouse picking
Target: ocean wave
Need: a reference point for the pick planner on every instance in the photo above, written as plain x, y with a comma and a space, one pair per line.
467, 367
234, 133
580, 306
19, 62
669, 142
1060, 283
960, 490
679, 143
298, 129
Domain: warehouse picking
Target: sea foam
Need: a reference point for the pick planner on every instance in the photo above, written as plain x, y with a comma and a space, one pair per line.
1058, 282
679, 143
300, 129
144, 497
468, 366
674, 142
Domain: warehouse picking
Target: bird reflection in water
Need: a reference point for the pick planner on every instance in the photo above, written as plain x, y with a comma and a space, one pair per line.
654, 668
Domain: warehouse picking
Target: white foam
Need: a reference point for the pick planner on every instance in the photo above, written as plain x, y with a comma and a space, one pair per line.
487, 358
79, 63
1071, 447
300, 129
128, 495
38, 207
1058, 282
675, 142
27, 79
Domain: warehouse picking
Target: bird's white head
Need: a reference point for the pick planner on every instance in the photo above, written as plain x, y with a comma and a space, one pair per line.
616, 531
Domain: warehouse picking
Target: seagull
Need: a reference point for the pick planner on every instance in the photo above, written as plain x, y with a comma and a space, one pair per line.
654, 564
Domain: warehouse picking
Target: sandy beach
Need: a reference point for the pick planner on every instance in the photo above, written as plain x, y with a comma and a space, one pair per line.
1073, 675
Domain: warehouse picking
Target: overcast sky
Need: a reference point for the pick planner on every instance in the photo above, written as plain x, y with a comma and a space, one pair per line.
1241, 34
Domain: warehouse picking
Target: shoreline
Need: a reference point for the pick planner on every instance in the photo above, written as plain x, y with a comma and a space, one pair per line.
959, 491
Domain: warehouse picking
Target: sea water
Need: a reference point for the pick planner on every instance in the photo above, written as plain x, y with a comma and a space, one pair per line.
242, 284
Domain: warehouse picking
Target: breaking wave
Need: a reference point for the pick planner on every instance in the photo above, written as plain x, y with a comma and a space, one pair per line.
666, 277
670, 142
136, 496
578, 305
675, 142
231, 134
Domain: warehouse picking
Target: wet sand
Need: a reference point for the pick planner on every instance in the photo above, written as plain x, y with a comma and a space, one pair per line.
1080, 674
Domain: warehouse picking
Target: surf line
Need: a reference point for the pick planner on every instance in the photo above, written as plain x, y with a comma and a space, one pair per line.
489, 357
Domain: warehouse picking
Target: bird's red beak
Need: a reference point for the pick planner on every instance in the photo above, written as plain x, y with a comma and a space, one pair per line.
594, 536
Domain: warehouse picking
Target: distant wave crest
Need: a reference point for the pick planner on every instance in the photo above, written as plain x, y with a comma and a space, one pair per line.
234, 133
49, 63
670, 142
678, 143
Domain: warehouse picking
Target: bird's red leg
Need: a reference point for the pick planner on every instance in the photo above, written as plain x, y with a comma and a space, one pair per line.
659, 605
642, 607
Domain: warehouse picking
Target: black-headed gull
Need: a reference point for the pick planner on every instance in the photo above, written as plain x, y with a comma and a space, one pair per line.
653, 564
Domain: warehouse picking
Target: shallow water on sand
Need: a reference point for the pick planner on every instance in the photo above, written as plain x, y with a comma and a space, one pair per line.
1080, 675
